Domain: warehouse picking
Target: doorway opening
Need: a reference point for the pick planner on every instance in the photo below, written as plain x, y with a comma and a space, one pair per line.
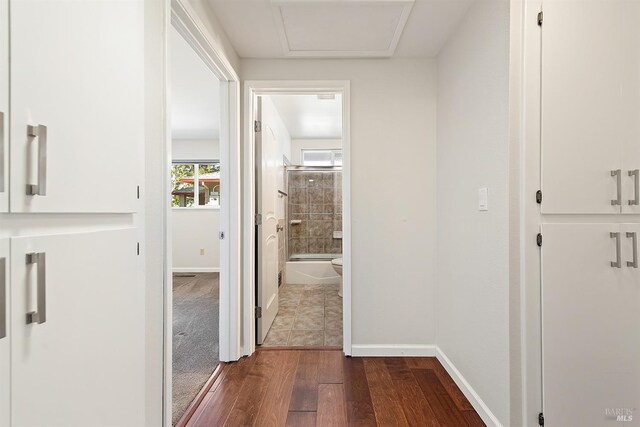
300, 235
196, 201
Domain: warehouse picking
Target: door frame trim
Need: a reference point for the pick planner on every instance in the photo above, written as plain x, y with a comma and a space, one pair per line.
252, 89
191, 28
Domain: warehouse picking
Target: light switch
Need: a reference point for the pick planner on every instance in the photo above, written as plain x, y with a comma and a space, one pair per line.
483, 199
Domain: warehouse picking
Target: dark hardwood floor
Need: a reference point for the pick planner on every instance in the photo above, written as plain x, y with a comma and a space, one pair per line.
323, 388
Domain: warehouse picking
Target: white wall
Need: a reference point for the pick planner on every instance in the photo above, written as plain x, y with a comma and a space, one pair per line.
473, 251
193, 229
392, 134
297, 145
195, 149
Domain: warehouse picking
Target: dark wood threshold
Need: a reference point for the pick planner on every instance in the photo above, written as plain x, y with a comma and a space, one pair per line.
195, 403
301, 348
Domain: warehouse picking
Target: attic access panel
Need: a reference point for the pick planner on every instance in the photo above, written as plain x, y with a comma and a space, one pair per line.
340, 28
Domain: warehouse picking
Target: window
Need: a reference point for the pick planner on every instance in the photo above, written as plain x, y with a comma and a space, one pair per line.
322, 157
187, 176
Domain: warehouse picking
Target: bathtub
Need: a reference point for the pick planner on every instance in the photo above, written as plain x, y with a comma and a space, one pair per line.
310, 273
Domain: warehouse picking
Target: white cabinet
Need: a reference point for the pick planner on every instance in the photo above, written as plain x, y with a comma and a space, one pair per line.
5, 335
77, 118
590, 106
591, 313
80, 360
4, 105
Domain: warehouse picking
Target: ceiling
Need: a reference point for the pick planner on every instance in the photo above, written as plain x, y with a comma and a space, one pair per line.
195, 94
295, 28
307, 117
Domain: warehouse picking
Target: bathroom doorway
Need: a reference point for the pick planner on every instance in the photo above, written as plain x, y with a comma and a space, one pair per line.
299, 233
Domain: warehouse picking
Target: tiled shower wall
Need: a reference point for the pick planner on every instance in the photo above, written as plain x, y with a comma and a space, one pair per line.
315, 198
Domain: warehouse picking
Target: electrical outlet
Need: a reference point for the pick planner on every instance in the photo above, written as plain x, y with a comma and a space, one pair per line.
202, 251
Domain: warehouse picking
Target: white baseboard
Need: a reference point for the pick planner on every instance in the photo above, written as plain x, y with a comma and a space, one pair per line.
196, 270
478, 404
406, 350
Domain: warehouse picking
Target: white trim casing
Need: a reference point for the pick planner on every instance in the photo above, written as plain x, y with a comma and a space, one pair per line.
393, 350
478, 404
252, 89
196, 269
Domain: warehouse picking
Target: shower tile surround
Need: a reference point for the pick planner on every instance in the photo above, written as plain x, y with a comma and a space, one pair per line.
315, 199
308, 315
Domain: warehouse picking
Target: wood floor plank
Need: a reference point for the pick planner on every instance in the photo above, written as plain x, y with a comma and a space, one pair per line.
301, 419
443, 406
398, 369
330, 369
473, 419
420, 362
385, 401
217, 405
304, 397
462, 403
254, 389
356, 389
332, 411
414, 405
275, 405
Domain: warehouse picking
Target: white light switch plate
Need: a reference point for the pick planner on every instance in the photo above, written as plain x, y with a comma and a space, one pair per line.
483, 199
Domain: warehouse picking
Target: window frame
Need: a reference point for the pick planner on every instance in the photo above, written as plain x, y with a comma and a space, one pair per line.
332, 151
196, 184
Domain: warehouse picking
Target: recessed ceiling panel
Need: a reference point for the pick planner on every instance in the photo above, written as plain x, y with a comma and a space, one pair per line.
333, 28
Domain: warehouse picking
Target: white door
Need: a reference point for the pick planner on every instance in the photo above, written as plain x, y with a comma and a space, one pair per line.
590, 103
77, 105
590, 334
267, 172
4, 105
78, 359
5, 349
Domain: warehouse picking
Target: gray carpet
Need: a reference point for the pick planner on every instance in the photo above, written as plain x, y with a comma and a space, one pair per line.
195, 335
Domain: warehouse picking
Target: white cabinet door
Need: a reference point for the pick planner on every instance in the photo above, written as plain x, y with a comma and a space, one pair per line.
4, 106
84, 365
76, 69
590, 104
590, 334
5, 349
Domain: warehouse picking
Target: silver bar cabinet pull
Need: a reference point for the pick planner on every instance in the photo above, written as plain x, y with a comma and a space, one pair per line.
634, 236
3, 298
618, 175
2, 145
618, 262
39, 316
40, 132
636, 180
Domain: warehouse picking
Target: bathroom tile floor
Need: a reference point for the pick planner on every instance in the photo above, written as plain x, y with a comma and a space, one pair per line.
308, 315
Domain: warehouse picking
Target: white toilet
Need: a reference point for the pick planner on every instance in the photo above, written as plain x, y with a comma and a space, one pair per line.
337, 266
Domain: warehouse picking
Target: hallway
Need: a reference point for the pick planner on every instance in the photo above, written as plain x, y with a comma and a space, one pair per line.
324, 388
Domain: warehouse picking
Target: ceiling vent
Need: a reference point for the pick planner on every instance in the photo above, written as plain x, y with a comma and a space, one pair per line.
340, 28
